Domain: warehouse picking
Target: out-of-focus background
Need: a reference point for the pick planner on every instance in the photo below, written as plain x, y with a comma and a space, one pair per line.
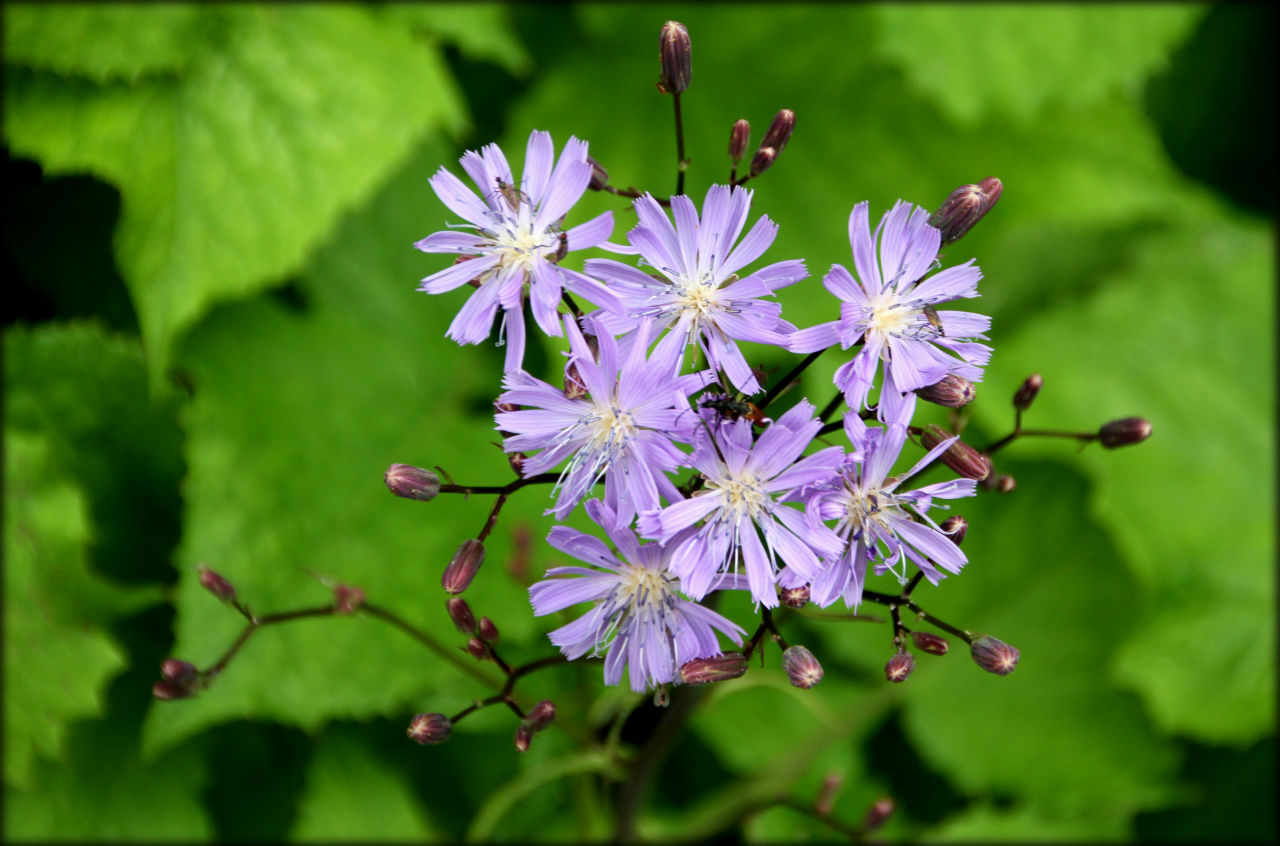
213, 348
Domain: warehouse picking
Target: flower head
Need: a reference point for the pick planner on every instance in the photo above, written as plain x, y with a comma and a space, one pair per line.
639, 619
621, 430
745, 483
518, 238
890, 307
876, 519
696, 292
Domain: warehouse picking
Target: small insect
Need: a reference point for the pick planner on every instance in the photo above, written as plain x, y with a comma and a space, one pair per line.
731, 409
931, 314
511, 193
562, 247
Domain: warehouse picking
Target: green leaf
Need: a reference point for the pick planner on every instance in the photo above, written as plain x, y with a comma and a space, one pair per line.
102, 41
352, 795
482, 31
232, 172
1017, 59
983, 823
57, 655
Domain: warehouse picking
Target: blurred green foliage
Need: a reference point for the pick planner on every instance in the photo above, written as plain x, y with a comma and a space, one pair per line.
213, 348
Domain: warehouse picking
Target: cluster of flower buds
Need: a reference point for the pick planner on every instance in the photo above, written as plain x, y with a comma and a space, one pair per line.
178, 680
538, 718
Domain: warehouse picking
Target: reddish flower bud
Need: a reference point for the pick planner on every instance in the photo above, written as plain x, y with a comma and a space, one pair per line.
877, 814
460, 613
779, 131
676, 55
1130, 430
762, 160
960, 457
955, 527
477, 649
994, 656
574, 387
517, 460
167, 690
487, 631
826, 798
347, 599
1000, 483
463, 567
215, 584
965, 207
802, 669
795, 597
717, 668
739, 137
1028, 391
430, 729
524, 736
951, 392
599, 176
899, 667
540, 715
179, 672
931, 643
411, 482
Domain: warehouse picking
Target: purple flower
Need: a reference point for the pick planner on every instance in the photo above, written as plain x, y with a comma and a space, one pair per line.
698, 294
621, 430
741, 502
638, 616
518, 238
892, 311
875, 518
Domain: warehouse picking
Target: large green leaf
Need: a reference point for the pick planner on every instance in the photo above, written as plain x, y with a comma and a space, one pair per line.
232, 171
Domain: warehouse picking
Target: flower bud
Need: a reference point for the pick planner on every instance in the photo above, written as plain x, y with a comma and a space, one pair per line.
739, 137
429, 729
676, 55
717, 668
994, 656
899, 667
574, 387
762, 160
347, 599
167, 690
517, 460
540, 715
955, 527
826, 799
931, 643
951, 392
524, 736
960, 457
487, 631
779, 131
181, 675
877, 814
795, 597
1027, 392
216, 585
1000, 483
460, 613
965, 207
801, 667
1130, 430
463, 566
599, 176
476, 649
412, 482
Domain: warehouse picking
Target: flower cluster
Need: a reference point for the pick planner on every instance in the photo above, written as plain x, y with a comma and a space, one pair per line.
701, 492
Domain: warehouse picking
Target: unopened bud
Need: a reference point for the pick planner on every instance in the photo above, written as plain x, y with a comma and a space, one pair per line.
676, 54
1130, 430
167, 690
599, 176
460, 613
717, 668
540, 715
802, 669
1027, 392
826, 798
951, 392
877, 814
955, 527
779, 131
739, 137
487, 631
412, 482
762, 160
430, 729
517, 460
574, 387
960, 457
931, 643
463, 566
524, 736
795, 597
347, 599
1000, 483
179, 672
899, 667
965, 207
994, 656
476, 649
216, 585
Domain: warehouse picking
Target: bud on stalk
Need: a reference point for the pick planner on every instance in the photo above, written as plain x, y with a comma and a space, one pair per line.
739, 137
714, 669
487, 631
216, 584
960, 457
463, 566
405, 480
1027, 392
994, 656
1130, 430
965, 207
931, 643
429, 729
460, 613
779, 131
900, 667
951, 392
802, 669
541, 715
955, 527
879, 812
676, 57
795, 597
762, 160
599, 176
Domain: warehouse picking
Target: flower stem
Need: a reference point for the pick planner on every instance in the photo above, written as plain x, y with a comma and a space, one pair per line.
787, 380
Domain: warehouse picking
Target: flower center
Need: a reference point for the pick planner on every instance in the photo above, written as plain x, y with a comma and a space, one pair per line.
887, 315
742, 497
865, 509
611, 428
